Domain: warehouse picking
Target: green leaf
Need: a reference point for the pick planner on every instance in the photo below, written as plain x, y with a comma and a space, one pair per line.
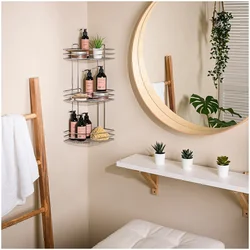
204, 106
231, 111
216, 123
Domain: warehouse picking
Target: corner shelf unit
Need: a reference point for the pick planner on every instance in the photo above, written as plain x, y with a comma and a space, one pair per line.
235, 182
76, 87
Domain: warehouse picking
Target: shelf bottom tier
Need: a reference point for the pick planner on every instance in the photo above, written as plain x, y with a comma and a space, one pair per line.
87, 142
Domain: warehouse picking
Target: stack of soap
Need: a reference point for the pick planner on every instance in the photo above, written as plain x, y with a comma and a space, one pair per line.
99, 134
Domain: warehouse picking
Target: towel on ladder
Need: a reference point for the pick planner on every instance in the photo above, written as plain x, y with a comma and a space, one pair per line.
19, 166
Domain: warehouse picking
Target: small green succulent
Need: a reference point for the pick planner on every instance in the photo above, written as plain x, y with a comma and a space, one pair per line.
223, 160
187, 154
159, 147
96, 42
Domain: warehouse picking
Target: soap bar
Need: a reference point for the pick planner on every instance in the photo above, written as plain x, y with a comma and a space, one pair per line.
99, 134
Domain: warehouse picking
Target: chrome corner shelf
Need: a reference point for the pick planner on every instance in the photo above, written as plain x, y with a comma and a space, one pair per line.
76, 88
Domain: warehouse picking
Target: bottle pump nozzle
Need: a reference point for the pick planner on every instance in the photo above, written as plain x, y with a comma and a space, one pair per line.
86, 115
100, 69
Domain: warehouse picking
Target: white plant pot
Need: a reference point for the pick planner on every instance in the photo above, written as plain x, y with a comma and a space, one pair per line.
97, 53
160, 159
187, 164
223, 171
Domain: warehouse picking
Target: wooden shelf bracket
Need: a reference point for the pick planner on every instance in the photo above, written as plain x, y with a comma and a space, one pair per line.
244, 201
152, 180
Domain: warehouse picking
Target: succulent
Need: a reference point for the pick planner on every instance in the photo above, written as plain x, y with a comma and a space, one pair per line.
223, 160
159, 147
187, 154
96, 42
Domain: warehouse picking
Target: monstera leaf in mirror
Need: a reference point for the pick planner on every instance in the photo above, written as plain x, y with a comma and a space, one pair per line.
210, 106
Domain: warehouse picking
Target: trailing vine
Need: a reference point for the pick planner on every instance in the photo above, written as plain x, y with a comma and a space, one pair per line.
219, 40
209, 106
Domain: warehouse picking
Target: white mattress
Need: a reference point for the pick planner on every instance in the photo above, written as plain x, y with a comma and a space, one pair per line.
144, 234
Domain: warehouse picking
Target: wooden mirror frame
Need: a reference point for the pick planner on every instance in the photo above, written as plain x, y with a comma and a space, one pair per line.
140, 80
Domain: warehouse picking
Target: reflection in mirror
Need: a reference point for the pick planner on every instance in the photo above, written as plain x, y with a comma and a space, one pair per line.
196, 57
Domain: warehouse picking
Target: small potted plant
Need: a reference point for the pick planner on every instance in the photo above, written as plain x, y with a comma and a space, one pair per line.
223, 166
96, 44
187, 159
159, 153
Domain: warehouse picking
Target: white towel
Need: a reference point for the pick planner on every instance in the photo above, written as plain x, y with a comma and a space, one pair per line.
19, 166
160, 89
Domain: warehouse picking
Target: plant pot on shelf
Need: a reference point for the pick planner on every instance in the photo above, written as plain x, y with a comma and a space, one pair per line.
187, 164
223, 166
97, 53
223, 170
160, 159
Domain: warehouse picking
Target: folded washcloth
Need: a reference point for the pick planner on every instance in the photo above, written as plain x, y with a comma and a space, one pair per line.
18, 163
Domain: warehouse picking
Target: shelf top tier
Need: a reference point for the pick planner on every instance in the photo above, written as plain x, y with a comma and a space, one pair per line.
84, 50
88, 59
199, 174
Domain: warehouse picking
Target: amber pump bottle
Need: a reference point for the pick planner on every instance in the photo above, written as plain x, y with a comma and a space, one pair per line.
88, 124
85, 41
81, 129
101, 80
89, 84
72, 125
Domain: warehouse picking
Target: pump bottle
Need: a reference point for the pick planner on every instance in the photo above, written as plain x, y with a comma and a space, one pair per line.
85, 41
81, 129
88, 125
72, 125
89, 84
101, 80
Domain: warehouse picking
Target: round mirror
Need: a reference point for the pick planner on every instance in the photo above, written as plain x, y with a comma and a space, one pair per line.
176, 72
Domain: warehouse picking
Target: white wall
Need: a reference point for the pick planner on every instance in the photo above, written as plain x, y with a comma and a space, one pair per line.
33, 38
116, 195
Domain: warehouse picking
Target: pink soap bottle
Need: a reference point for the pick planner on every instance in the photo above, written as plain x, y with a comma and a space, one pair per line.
72, 125
89, 84
85, 41
88, 124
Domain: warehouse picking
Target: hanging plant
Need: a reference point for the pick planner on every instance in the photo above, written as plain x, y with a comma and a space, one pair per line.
209, 106
219, 40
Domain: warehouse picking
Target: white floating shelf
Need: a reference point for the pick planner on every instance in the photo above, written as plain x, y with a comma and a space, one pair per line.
199, 174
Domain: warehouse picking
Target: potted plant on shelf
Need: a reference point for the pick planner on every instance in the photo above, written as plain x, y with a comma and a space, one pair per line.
187, 159
96, 44
223, 166
159, 153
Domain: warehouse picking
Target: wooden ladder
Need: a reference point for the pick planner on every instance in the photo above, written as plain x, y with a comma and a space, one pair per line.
40, 152
169, 83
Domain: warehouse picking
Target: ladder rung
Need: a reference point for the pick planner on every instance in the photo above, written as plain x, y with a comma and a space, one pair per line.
22, 218
30, 116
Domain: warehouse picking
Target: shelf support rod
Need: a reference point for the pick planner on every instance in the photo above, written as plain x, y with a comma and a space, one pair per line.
152, 180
